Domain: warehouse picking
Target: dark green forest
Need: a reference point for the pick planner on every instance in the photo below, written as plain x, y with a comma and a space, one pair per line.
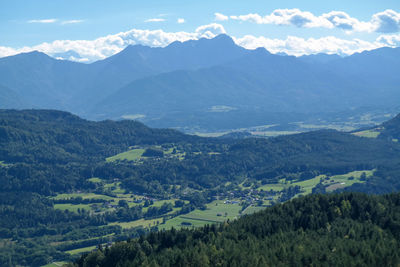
44, 153
348, 229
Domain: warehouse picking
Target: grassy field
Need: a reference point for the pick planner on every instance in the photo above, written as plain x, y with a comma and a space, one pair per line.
338, 127
114, 187
119, 195
274, 187
273, 133
72, 207
341, 181
55, 264
309, 184
159, 203
337, 181
177, 223
95, 180
81, 250
3, 164
83, 196
142, 222
131, 155
216, 211
368, 133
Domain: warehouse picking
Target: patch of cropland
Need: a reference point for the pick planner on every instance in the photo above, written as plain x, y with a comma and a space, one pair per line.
69, 185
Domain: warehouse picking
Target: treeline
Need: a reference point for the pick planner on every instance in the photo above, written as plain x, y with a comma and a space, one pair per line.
29, 140
348, 229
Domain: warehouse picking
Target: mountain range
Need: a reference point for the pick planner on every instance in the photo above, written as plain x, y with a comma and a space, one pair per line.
210, 84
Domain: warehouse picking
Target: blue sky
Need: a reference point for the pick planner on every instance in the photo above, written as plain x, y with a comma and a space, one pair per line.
27, 24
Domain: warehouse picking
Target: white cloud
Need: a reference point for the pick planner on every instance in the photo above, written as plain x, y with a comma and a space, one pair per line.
72, 21
210, 30
220, 17
293, 16
387, 21
389, 40
42, 20
155, 20
100, 48
181, 20
297, 46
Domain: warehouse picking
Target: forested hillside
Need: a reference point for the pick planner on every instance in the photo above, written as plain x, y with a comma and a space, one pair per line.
318, 230
391, 129
70, 184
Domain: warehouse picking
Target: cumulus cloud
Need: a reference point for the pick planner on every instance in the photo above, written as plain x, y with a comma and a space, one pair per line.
220, 17
210, 30
389, 40
42, 20
387, 21
181, 20
155, 20
100, 48
297, 46
340, 20
293, 16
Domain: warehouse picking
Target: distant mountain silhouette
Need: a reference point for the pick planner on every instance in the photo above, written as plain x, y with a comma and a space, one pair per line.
181, 84
320, 58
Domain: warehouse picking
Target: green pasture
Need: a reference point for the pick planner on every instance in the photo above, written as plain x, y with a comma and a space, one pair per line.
177, 223
373, 133
274, 187
138, 223
55, 264
309, 184
80, 250
83, 196
131, 155
215, 212
71, 207
341, 181
95, 180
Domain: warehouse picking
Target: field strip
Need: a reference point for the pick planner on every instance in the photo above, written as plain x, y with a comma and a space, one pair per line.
198, 219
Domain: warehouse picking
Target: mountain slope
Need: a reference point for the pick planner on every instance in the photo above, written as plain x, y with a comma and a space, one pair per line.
43, 81
206, 84
135, 62
10, 99
256, 83
391, 129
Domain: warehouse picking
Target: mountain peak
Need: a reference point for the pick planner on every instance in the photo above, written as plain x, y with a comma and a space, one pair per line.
35, 53
30, 57
223, 38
